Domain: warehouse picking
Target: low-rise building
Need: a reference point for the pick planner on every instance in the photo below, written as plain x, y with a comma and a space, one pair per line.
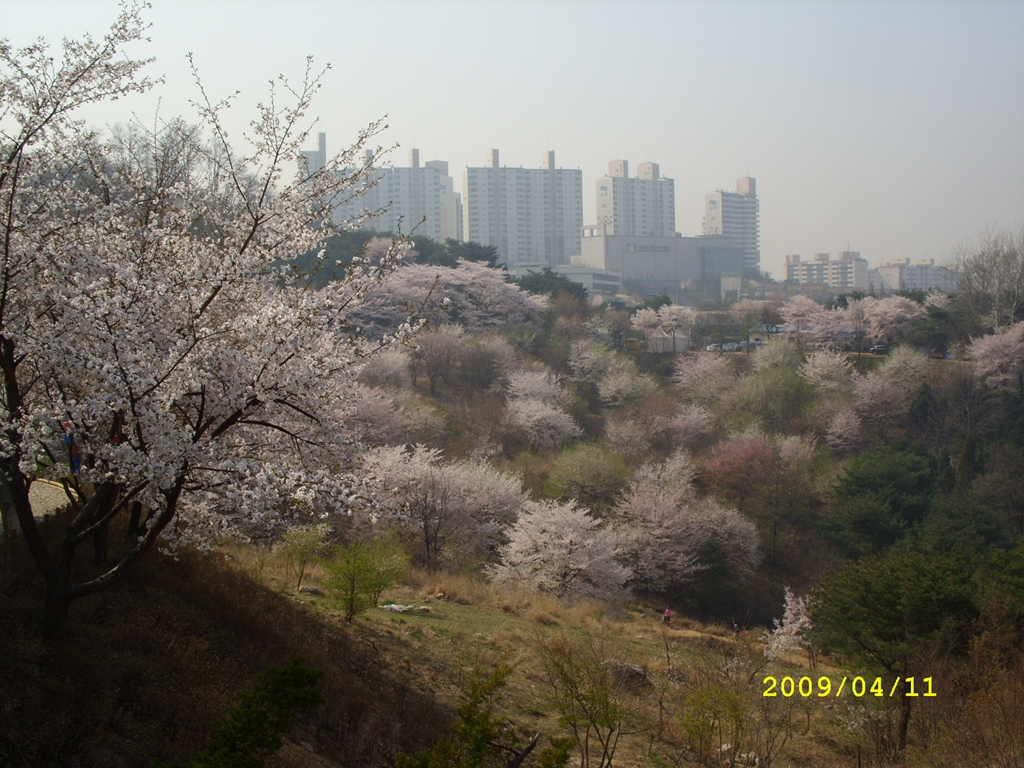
848, 272
598, 282
922, 275
664, 264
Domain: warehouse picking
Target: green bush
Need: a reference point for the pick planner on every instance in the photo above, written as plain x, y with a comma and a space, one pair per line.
481, 739
253, 730
591, 474
362, 570
302, 546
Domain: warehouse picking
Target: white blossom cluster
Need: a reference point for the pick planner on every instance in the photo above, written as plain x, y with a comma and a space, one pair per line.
152, 348
663, 525
536, 405
458, 509
560, 548
790, 634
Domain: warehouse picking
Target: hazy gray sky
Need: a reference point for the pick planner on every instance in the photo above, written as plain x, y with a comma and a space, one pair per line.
894, 128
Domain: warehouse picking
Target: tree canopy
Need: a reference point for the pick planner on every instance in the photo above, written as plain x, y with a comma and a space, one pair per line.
152, 358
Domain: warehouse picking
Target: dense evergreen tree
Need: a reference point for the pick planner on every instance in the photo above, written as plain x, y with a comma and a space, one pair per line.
551, 284
879, 497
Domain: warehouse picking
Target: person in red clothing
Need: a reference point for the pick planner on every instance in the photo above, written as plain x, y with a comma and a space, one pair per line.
668, 617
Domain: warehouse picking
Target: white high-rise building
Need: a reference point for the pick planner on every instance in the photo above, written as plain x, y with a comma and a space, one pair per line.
735, 214
531, 215
644, 206
451, 201
405, 198
413, 198
316, 159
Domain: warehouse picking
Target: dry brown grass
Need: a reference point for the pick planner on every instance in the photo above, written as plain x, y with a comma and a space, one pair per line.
146, 668
150, 665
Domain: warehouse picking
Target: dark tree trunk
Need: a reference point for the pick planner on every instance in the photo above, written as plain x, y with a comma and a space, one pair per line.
100, 541
904, 724
134, 519
10, 519
101, 538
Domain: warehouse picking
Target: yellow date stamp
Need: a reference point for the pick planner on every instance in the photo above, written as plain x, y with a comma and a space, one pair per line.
823, 687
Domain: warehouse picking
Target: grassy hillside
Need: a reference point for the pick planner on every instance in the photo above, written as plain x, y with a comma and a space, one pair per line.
147, 668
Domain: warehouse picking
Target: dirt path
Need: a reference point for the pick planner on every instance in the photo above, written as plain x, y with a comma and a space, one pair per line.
46, 497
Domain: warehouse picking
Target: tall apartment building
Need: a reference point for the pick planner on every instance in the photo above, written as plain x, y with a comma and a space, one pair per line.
849, 271
640, 206
735, 215
531, 215
313, 160
412, 198
451, 201
922, 275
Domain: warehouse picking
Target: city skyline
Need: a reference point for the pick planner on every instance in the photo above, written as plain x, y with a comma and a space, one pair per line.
890, 129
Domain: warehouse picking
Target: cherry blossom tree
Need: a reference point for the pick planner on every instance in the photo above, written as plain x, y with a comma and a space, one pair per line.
152, 359
637, 431
646, 321
906, 368
790, 633
485, 359
542, 385
627, 437
999, 358
373, 416
884, 396
589, 361
802, 312
674, 318
827, 371
457, 508
546, 426
562, 549
686, 427
938, 299
890, 317
664, 526
472, 294
536, 405
879, 401
703, 376
622, 383
857, 320
777, 353
389, 369
833, 324
436, 352
844, 431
